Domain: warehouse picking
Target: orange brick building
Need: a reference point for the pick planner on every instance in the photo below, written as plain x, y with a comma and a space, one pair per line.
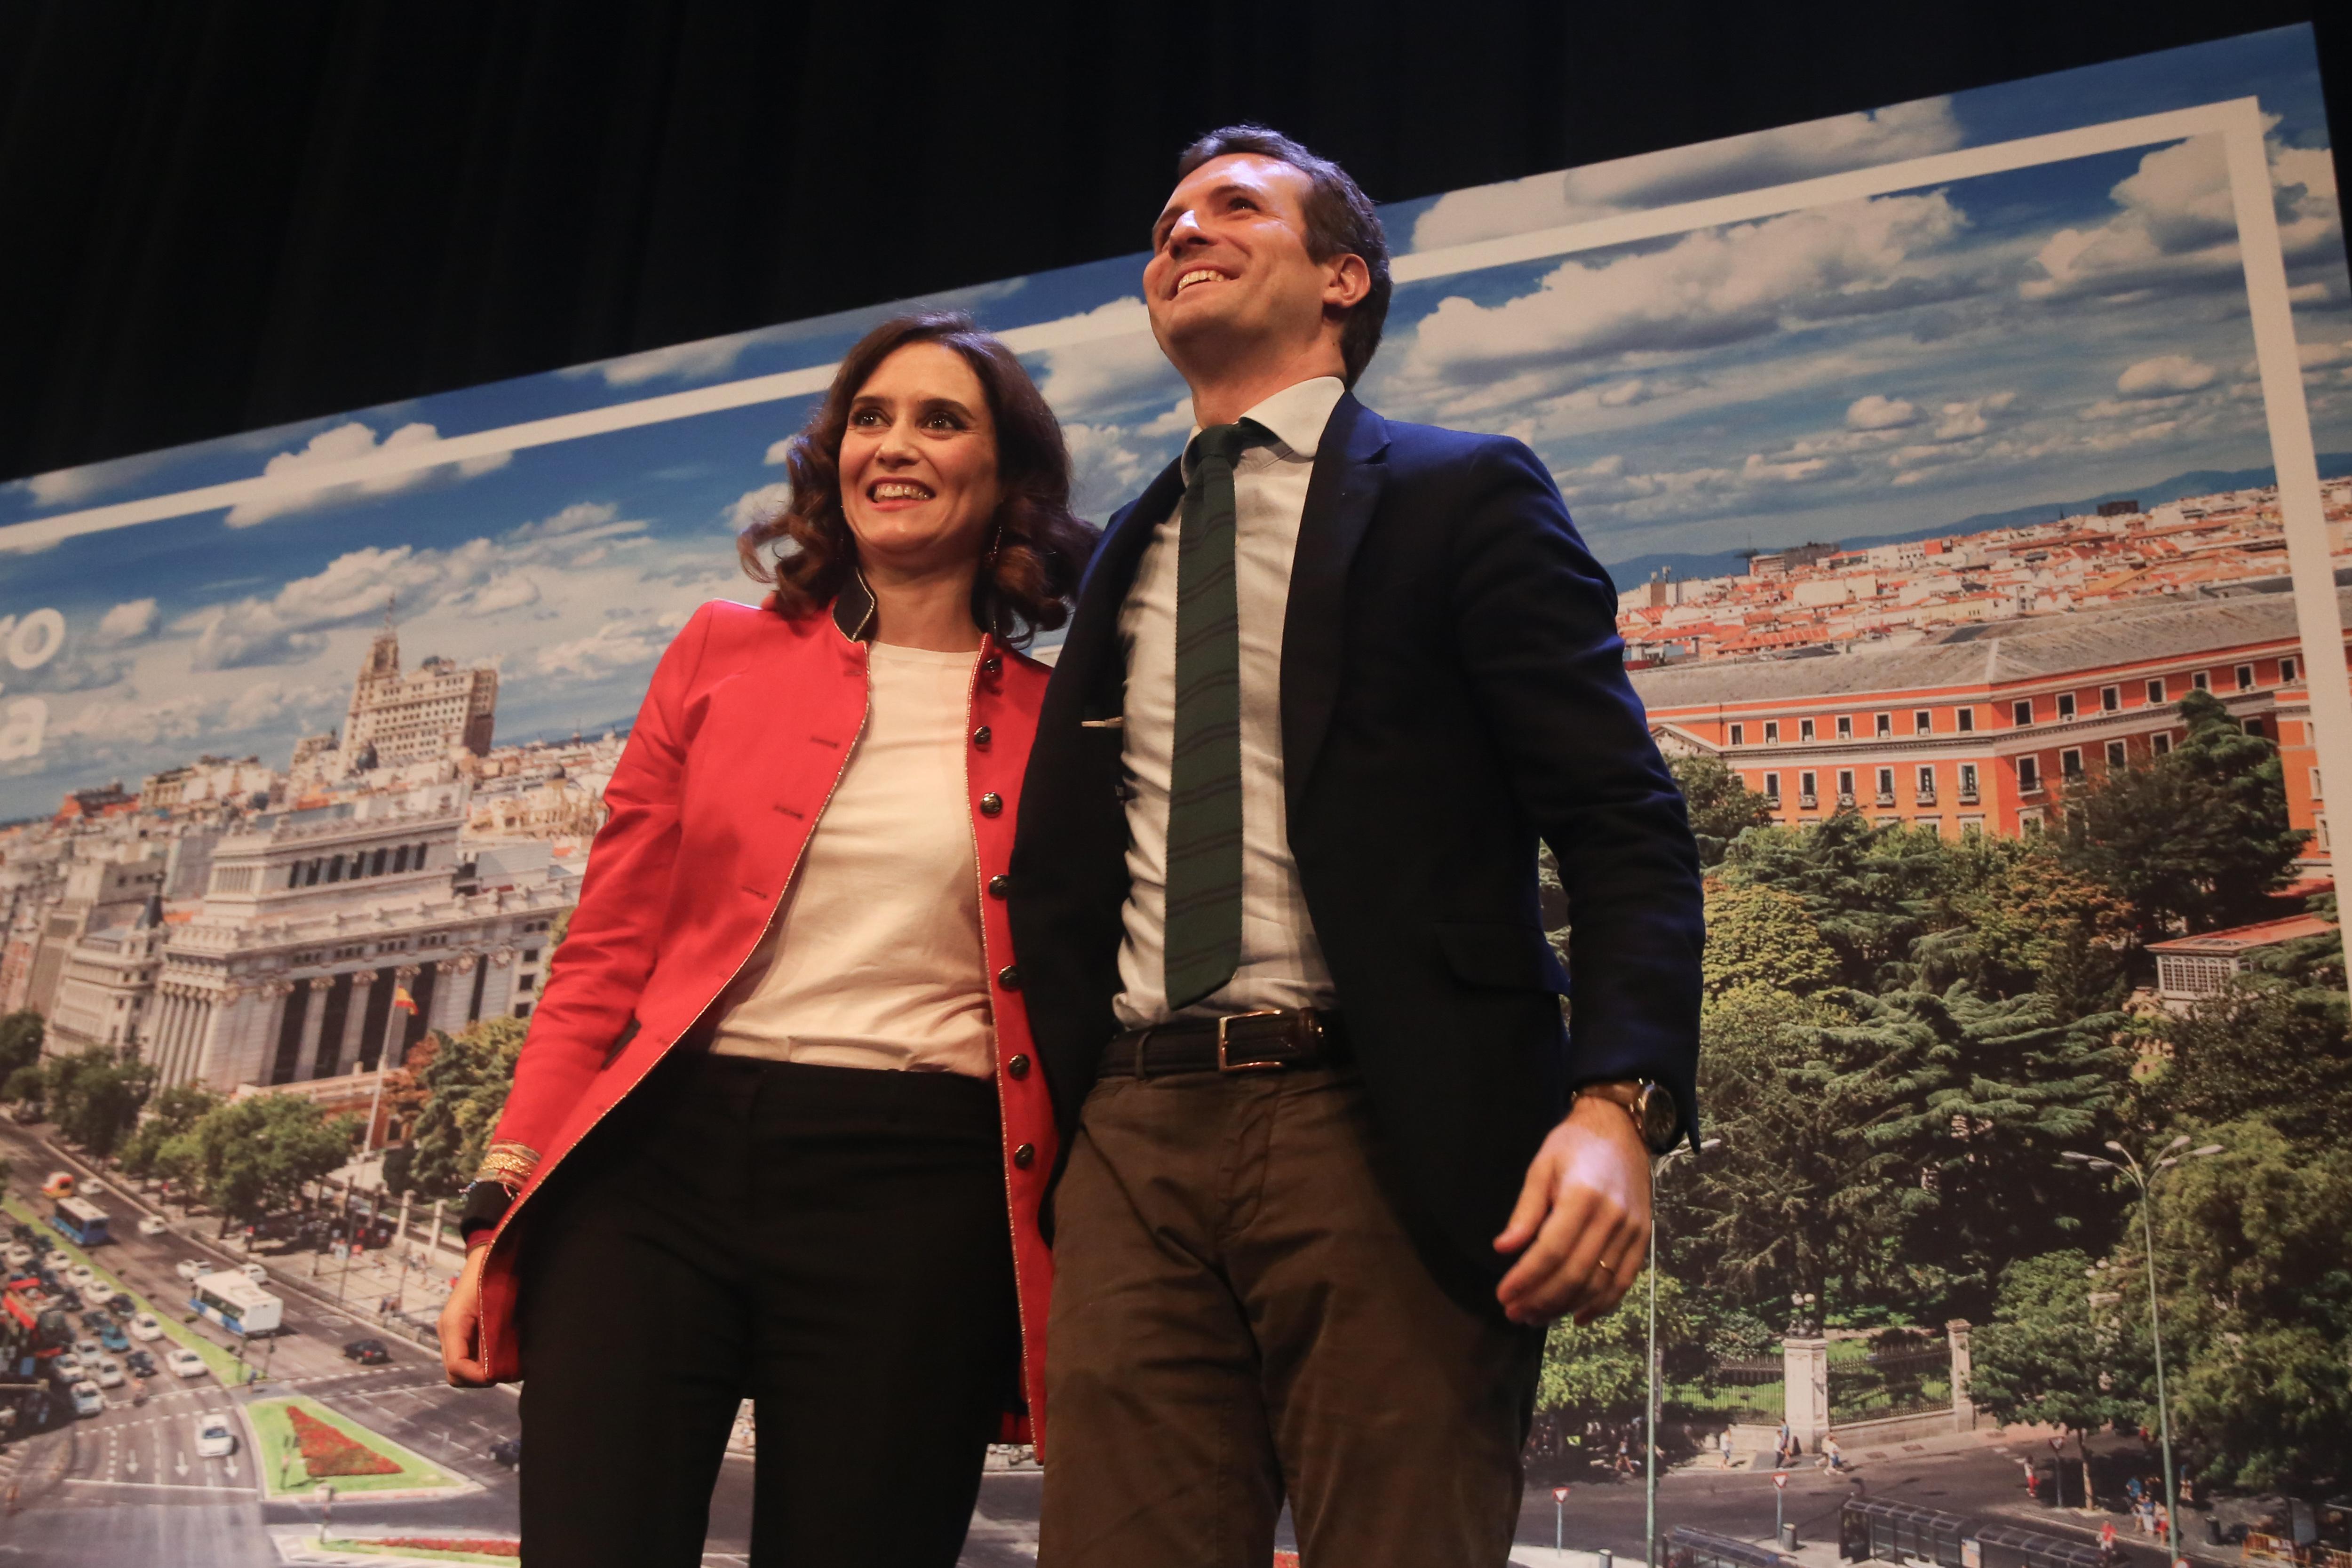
1981, 728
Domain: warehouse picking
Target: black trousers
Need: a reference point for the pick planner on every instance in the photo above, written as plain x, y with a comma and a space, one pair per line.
832, 1243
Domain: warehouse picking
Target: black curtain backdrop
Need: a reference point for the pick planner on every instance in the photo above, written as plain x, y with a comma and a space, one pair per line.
216, 217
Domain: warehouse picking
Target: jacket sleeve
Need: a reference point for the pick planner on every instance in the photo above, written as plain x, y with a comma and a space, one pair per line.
1536, 616
598, 974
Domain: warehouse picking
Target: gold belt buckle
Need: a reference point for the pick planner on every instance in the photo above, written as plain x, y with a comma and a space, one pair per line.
1223, 1065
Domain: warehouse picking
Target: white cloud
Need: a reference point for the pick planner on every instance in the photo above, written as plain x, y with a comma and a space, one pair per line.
1712, 286
67, 487
2165, 372
1691, 174
2325, 356
2177, 227
628, 640
1876, 413
343, 444
266, 701
1106, 472
1105, 374
680, 362
778, 451
757, 506
127, 622
477, 577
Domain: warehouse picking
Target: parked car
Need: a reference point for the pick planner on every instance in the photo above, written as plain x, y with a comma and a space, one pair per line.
141, 1364
189, 1269
87, 1348
120, 1305
65, 1368
112, 1338
215, 1439
82, 1276
95, 1319
88, 1400
507, 1451
185, 1363
17, 1255
367, 1353
145, 1327
255, 1272
108, 1373
154, 1224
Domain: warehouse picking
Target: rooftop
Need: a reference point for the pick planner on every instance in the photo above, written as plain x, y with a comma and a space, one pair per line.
1989, 654
2234, 939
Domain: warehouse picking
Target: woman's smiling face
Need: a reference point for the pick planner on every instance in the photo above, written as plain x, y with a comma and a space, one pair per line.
919, 481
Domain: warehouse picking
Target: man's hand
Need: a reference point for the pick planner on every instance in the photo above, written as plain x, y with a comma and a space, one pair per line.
461, 1319
1586, 1210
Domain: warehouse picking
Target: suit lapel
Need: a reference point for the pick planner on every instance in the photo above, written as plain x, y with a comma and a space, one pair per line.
1340, 499
1090, 652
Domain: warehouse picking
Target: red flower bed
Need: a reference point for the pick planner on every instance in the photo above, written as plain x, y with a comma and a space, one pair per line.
449, 1544
327, 1452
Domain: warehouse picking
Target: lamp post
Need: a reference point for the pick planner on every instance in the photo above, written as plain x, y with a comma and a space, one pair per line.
2166, 1158
1650, 1403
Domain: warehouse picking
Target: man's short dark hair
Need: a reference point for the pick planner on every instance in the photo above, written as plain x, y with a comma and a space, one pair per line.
1340, 221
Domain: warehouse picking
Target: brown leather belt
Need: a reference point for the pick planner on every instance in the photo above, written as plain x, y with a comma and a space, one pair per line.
1266, 1041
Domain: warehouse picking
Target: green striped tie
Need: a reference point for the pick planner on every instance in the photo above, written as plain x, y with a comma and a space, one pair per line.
1203, 922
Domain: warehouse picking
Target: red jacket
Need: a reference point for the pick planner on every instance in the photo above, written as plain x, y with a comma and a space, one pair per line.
747, 727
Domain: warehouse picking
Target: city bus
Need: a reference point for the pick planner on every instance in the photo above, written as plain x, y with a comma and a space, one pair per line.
82, 1222
236, 1303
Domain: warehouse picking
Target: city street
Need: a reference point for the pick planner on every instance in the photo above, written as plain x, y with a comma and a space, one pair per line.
126, 1489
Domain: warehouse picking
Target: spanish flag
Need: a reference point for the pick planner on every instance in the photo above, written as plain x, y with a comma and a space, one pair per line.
403, 1000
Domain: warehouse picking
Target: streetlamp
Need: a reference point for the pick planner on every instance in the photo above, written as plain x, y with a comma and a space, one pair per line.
1650, 1403
2166, 1158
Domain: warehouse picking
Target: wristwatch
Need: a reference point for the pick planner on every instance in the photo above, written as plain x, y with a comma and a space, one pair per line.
1658, 1118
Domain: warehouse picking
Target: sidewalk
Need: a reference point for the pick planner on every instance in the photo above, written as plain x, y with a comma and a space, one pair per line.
1759, 1463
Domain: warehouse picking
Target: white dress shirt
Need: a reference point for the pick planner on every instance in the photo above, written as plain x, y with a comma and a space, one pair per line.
875, 961
1281, 962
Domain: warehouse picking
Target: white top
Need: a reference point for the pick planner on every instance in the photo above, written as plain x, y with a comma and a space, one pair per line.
874, 959
1281, 962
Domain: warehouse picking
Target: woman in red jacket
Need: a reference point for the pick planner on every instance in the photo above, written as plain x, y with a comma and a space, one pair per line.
775, 1132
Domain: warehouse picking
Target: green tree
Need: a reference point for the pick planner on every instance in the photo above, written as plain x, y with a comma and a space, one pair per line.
1720, 804
464, 1079
1596, 1371
1759, 935
2259, 1048
252, 1157
26, 1084
21, 1034
170, 1113
2024, 921
94, 1097
2198, 838
2250, 1254
1871, 891
2053, 1356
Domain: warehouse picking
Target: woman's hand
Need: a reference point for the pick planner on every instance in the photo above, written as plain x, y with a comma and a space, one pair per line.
461, 1323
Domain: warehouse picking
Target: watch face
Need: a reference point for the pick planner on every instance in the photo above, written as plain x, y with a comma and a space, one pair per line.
1659, 1116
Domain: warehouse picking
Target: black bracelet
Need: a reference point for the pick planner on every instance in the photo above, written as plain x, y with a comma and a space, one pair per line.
482, 1205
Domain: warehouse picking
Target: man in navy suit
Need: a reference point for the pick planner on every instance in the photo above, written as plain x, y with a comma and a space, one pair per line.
1333, 1158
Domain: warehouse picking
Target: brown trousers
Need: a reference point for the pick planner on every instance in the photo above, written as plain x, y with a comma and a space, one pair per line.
1239, 1316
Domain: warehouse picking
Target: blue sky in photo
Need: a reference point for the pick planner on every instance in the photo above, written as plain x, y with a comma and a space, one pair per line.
1872, 368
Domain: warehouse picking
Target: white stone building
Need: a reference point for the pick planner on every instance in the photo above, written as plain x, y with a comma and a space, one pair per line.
317, 922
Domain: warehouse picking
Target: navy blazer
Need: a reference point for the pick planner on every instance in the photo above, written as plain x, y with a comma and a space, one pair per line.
1452, 688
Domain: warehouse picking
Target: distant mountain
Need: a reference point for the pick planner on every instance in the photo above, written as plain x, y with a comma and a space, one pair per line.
2201, 481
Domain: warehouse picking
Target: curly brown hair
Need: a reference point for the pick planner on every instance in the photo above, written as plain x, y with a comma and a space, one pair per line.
1039, 548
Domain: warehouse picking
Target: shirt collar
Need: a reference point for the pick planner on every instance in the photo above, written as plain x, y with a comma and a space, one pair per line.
1297, 415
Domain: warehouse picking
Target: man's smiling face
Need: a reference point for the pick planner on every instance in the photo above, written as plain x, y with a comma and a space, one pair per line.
1230, 273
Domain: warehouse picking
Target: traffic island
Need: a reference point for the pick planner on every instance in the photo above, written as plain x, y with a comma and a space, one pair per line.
299, 1445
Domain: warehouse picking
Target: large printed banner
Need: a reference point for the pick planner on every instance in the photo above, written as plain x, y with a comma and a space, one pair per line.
1976, 474
1928, 408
